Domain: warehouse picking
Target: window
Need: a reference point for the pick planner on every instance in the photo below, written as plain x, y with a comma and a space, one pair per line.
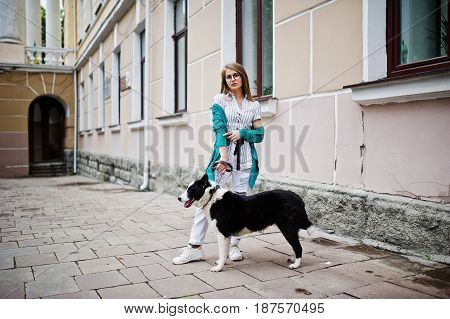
81, 101
89, 14
118, 87
115, 88
90, 102
255, 42
418, 38
180, 41
101, 96
81, 19
142, 59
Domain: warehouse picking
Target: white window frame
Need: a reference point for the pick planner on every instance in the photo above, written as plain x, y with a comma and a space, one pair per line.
115, 90
90, 102
137, 76
81, 104
81, 19
101, 95
169, 65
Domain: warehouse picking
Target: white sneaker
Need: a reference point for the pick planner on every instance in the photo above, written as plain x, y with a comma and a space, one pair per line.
188, 254
235, 254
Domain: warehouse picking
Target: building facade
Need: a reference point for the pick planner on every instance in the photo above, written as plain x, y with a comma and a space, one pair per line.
36, 91
355, 98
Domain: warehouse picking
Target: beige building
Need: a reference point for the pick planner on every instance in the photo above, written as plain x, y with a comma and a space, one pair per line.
355, 98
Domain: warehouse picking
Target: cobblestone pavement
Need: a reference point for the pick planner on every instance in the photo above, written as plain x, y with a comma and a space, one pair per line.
73, 237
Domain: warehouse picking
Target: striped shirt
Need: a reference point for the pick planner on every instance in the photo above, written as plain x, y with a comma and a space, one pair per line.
238, 118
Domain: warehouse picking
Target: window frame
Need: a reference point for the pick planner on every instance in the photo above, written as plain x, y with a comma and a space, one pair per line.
142, 39
176, 37
394, 68
239, 42
118, 84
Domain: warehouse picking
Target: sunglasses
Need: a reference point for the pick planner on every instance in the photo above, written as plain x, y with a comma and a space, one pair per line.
231, 77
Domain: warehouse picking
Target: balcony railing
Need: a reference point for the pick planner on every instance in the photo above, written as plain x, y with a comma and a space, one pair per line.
47, 56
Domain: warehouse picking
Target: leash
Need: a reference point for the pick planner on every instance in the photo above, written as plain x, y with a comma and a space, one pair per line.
228, 169
237, 152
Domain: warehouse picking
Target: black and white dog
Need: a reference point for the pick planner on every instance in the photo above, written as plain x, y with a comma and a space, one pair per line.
239, 215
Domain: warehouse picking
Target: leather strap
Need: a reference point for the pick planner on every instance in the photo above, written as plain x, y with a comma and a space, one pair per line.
228, 165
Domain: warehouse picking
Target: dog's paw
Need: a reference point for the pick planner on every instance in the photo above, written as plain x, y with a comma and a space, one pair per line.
296, 264
216, 268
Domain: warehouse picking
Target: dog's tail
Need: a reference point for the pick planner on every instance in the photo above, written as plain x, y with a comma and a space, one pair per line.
311, 229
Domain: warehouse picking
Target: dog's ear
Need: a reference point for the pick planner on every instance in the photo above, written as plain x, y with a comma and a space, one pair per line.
205, 180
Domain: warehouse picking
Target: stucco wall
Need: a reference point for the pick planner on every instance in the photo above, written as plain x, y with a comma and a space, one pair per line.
317, 134
17, 91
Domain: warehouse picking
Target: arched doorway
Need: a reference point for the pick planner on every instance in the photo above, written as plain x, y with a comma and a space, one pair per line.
46, 136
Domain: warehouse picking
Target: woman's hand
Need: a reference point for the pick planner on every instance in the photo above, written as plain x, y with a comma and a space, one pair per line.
233, 135
222, 168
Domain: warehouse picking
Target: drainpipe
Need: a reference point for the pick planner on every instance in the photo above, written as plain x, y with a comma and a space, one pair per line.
144, 186
75, 92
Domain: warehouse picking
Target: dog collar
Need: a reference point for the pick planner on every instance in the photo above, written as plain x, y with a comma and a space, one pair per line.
212, 194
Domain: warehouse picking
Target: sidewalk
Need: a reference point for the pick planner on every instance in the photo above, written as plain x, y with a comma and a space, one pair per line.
74, 237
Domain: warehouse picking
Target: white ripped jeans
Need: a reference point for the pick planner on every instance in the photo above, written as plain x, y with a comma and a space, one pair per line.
240, 185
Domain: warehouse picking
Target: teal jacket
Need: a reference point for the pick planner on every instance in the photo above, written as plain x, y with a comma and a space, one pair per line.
251, 135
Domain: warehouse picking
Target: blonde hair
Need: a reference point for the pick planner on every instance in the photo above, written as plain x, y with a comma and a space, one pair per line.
245, 84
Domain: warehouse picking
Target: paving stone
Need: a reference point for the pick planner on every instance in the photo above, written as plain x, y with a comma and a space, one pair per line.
180, 286
154, 272
133, 275
13, 252
327, 282
284, 289
17, 275
12, 290
35, 242
231, 293
123, 240
426, 284
101, 280
99, 265
94, 244
190, 268
367, 251
366, 271
8, 245
340, 256
81, 254
136, 291
69, 239
401, 265
91, 294
176, 242
307, 247
140, 259
6, 263
267, 271
341, 296
113, 251
69, 269
226, 279
57, 248
6, 239
34, 260
50, 286
386, 290
273, 239
144, 247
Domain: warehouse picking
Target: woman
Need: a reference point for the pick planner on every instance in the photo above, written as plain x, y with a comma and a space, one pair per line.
237, 126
